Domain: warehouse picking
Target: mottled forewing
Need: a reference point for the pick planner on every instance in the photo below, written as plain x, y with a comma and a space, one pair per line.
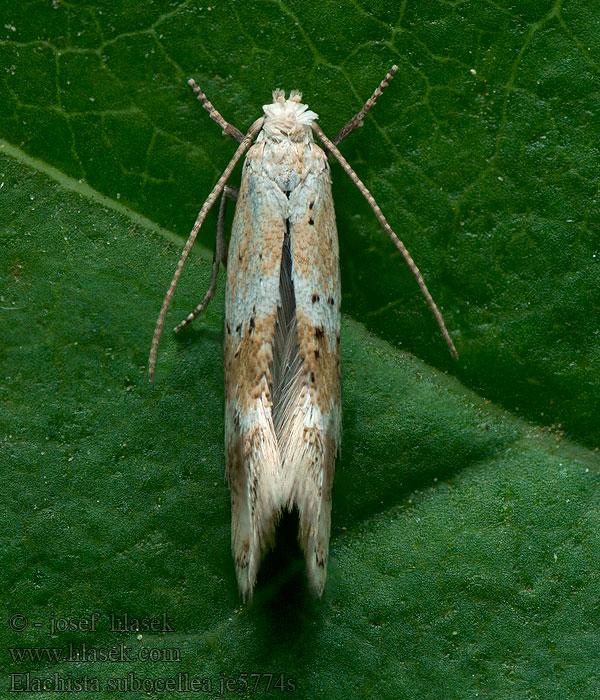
251, 302
313, 436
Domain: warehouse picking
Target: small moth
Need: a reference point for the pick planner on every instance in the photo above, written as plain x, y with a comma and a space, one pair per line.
282, 328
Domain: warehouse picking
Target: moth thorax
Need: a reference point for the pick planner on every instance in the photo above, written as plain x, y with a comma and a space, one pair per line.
288, 119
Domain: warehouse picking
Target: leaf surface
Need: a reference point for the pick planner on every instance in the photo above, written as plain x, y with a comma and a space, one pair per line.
465, 539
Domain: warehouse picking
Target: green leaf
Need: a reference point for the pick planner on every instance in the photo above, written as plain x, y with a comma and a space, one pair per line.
465, 540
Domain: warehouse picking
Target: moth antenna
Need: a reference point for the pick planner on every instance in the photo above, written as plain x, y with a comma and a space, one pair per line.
357, 119
332, 148
210, 200
228, 128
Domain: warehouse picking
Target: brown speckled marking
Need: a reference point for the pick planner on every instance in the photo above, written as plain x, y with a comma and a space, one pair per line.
322, 361
248, 364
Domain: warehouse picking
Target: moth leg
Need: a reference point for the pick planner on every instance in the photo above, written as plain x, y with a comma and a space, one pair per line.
228, 128
357, 119
219, 256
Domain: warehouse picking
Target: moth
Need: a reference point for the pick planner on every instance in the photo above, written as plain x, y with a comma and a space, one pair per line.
282, 327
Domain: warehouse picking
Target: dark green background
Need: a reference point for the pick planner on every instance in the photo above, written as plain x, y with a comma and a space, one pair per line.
464, 543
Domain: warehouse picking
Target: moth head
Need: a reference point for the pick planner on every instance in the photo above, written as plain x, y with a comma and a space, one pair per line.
288, 119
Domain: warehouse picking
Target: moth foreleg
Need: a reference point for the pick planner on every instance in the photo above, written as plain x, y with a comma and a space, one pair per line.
219, 256
357, 119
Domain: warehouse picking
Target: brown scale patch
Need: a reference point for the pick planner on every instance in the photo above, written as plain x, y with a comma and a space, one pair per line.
321, 362
247, 364
243, 559
299, 149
